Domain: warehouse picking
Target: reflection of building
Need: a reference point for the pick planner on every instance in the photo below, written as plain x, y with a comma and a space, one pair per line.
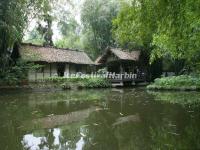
56, 62
121, 62
58, 120
54, 131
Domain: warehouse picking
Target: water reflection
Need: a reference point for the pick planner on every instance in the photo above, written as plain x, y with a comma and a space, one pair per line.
99, 119
33, 143
181, 98
123, 120
52, 121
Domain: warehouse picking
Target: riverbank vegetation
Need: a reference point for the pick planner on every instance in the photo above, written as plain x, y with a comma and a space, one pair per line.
16, 73
71, 83
56, 83
183, 82
80, 83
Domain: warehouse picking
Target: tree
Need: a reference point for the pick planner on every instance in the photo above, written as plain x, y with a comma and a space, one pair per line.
178, 32
164, 28
12, 22
97, 18
14, 16
52, 11
133, 26
46, 31
35, 37
70, 31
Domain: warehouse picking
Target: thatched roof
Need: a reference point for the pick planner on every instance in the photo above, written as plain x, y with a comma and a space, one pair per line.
120, 54
34, 53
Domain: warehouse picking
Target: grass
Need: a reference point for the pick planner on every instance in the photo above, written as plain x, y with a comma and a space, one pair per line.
183, 82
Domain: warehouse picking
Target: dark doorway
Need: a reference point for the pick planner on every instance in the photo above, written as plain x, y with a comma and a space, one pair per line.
61, 70
113, 67
15, 53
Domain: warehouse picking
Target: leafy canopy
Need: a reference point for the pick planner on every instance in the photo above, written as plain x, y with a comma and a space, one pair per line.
97, 18
164, 28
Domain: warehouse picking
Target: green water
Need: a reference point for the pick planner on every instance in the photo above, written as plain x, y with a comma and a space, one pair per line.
114, 119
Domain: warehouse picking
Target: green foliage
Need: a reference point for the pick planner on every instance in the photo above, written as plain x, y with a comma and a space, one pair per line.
61, 79
50, 12
70, 83
135, 24
97, 83
73, 42
12, 21
183, 82
14, 17
164, 28
68, 26
35, 37
178, 34
97, 18
71, 34
134, 27
16, 73
46, 31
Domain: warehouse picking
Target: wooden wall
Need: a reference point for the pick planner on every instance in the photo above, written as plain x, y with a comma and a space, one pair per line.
50, 70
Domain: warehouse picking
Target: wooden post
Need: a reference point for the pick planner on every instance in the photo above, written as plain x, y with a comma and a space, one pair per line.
69, 69
121, 69
36, 76
43, 72
50, 70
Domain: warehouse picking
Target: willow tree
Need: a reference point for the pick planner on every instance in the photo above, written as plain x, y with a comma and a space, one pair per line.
164, 28
178, 32
134, 28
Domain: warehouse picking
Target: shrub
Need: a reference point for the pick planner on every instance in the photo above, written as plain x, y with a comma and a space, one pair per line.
16, 73
96, 83
69, 83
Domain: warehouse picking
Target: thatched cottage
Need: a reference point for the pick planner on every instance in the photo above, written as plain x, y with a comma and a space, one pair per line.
122, 61
55, 62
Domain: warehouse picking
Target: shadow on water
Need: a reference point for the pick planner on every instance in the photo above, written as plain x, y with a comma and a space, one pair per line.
99, 119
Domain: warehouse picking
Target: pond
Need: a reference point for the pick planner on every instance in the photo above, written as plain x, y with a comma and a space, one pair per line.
111, 119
